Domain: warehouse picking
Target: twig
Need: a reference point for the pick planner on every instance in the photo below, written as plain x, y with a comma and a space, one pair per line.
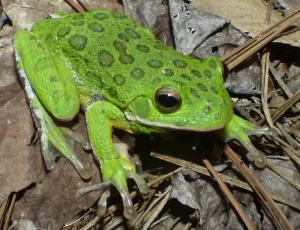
240, 54
230, 196
76, 5
282, 109
226, 179
266, 199
264, 87
165, 196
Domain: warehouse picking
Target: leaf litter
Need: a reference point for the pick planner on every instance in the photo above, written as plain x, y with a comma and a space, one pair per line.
48, 199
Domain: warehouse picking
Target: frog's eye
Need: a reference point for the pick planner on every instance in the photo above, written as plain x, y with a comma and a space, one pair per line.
167, 100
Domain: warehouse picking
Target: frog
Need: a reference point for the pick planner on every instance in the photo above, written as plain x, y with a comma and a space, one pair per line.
116, 72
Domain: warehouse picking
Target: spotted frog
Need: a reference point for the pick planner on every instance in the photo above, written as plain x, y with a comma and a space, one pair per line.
123, 78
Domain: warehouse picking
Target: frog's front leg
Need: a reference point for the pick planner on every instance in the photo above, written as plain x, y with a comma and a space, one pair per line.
116, 167
240, 129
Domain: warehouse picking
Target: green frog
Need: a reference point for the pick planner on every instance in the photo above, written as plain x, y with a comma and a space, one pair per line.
121, 77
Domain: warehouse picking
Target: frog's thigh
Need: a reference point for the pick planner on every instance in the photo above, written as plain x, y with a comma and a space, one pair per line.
49, 76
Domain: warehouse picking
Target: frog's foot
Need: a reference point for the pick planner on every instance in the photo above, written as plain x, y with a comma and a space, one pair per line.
115, 171
54, 135
240, 129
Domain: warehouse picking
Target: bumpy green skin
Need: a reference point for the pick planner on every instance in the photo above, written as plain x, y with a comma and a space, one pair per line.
112, 68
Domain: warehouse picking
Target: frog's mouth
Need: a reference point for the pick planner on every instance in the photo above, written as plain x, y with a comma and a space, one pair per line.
167, 126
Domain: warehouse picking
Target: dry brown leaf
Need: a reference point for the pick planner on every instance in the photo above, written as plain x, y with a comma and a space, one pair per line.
21, 163
55, 198
248, 16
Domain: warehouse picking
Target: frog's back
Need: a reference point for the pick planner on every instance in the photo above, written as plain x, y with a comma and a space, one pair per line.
115, 59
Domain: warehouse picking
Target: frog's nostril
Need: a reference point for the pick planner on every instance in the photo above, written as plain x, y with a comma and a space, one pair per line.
208, 108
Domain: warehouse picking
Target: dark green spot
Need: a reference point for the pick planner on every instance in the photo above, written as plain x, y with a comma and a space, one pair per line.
62, 32
69, 98
189, 101
168, 72
120, 46
196, 73
94, 26
43, 63
213, 64
119, 79
123, 37
156, 80
179, 82
113, 92
186, 77
156, 64
77, 23
126, 59
179, 63
118, 15
207, 73
78, 41
54, 78
137, 73
143, 48
105, 58
131, 33
78, 16
49, 37
210, 101
86, 60
214, 89
202, 87
100, 16
195, 92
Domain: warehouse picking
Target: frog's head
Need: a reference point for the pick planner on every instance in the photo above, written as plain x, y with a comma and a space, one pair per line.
198, 105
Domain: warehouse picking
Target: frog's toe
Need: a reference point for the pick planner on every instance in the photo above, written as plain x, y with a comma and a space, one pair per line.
261, 131
258, 158
129, 211
116, 172
102, 203
141, 183
84, 172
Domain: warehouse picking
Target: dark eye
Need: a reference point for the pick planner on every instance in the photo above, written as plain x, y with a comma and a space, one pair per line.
167, 100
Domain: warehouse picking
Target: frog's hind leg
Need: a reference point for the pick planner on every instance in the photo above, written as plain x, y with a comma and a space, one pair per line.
54, 135
50, 80
240, 129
